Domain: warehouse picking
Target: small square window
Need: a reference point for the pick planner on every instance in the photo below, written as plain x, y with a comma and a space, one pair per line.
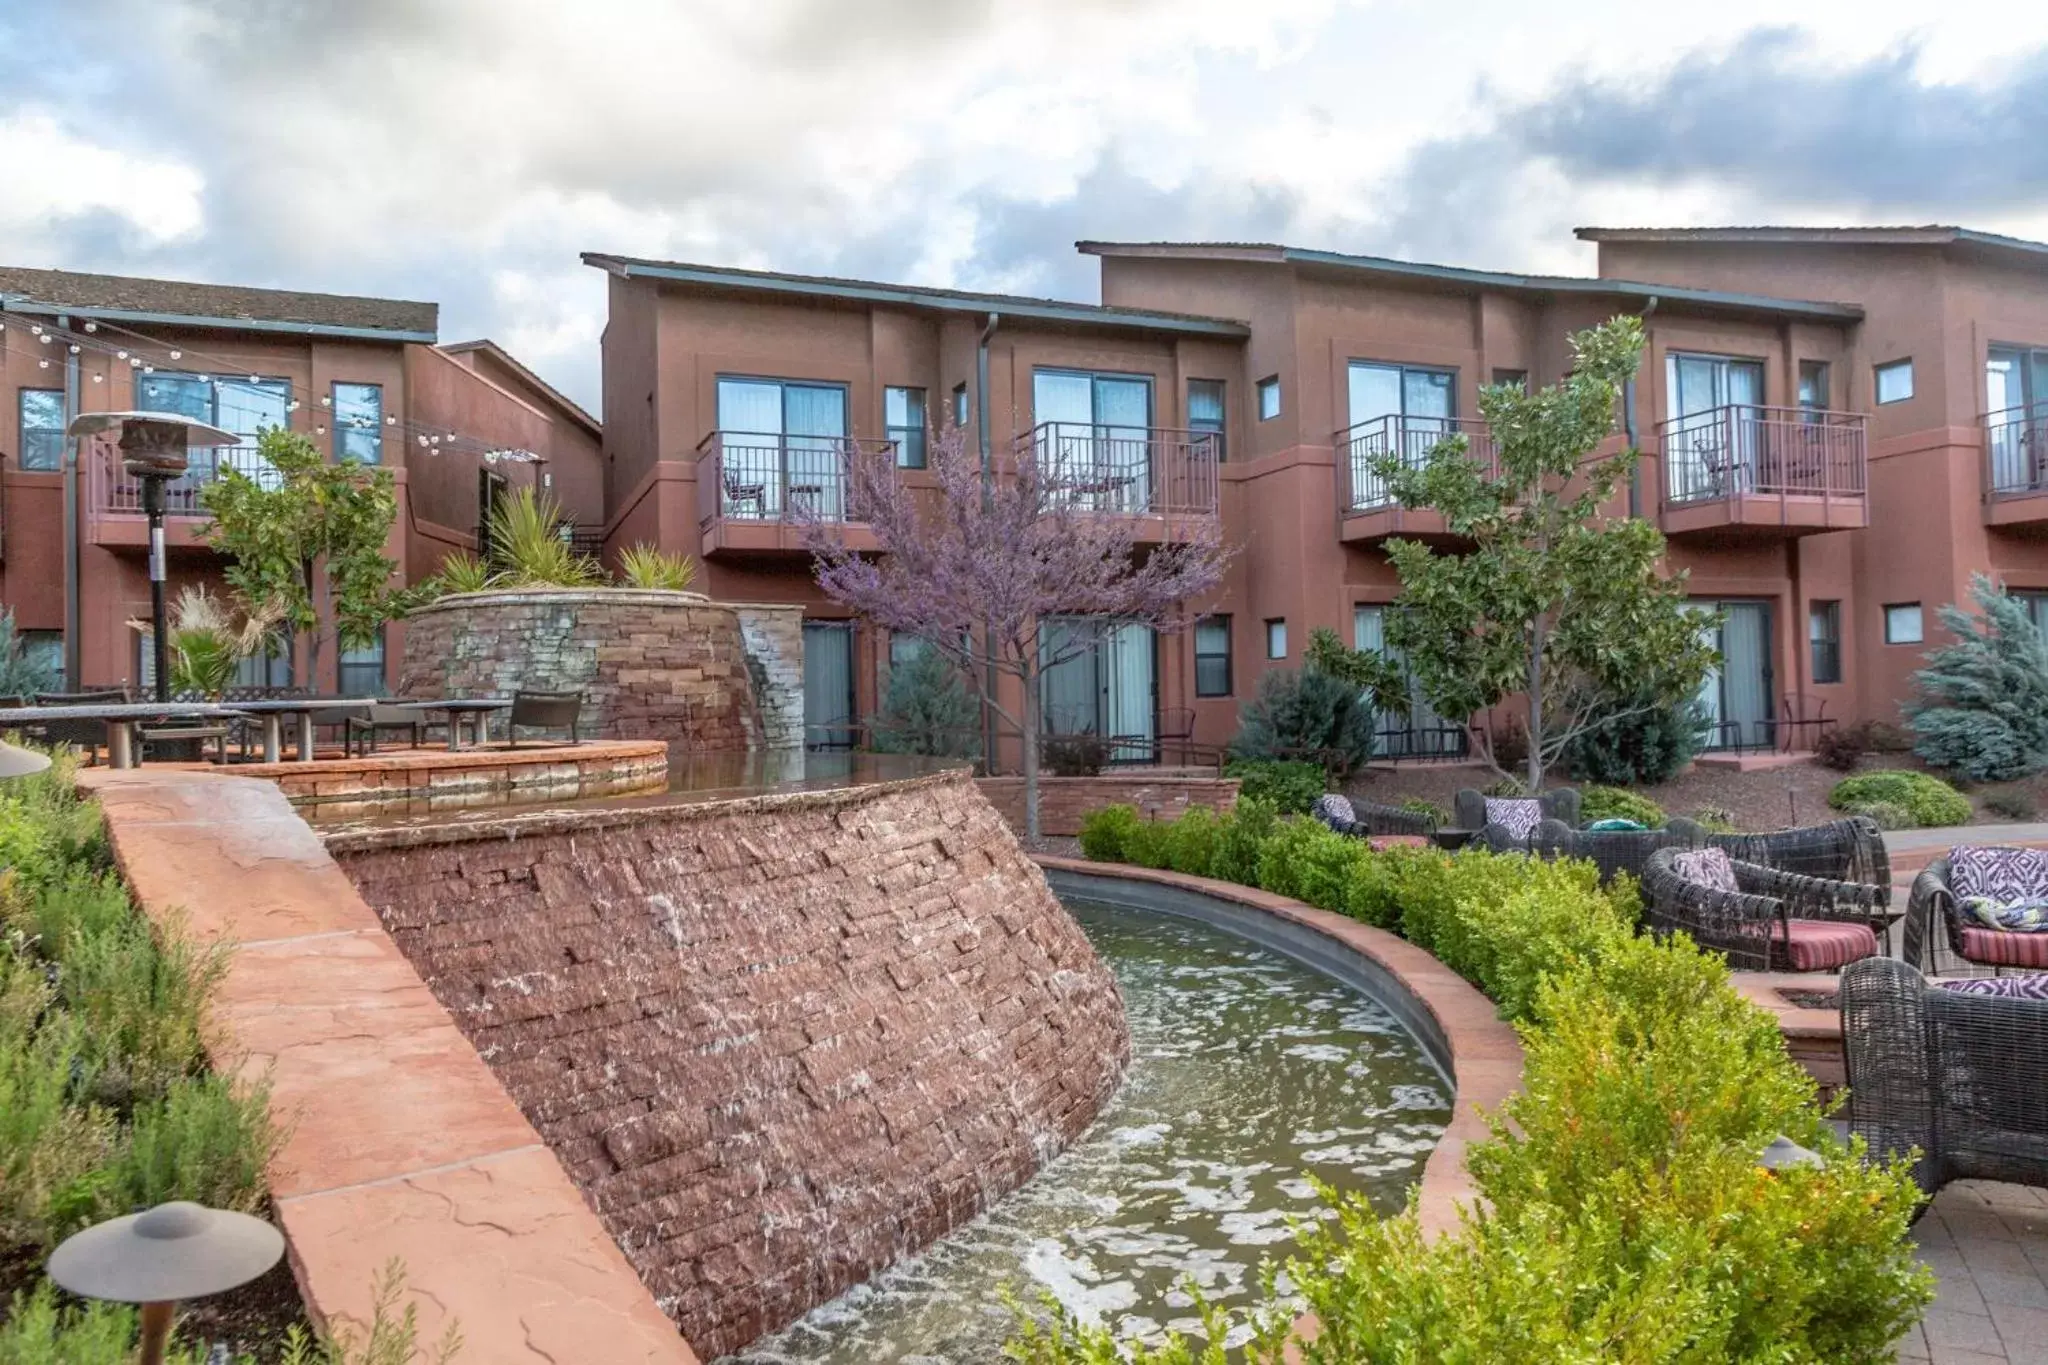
1212, 656
1269, 398
1903, 624
1514, 378
959, 405
1895, 381
903, 424
359, 423
1276, 638
42, 429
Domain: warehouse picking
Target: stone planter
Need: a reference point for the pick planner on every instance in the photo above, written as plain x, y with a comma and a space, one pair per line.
675, 666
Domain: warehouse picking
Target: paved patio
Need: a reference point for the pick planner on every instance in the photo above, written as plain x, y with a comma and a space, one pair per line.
1989, 1244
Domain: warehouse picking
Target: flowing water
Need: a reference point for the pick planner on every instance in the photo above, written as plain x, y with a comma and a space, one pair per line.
1248, 1073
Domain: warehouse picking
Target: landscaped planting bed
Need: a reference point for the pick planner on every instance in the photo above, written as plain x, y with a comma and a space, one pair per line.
107, 1105
1625, 1216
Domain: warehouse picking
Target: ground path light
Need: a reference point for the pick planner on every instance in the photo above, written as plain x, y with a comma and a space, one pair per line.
1783, 1154
16, 761
174, 1251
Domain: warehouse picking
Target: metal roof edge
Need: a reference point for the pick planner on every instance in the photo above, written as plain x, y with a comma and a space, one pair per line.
19, 303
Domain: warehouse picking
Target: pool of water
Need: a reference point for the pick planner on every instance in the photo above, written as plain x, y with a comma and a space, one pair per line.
1248, 1072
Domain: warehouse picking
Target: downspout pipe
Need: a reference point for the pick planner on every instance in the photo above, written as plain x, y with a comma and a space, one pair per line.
988, 644
1632, 429
73, 624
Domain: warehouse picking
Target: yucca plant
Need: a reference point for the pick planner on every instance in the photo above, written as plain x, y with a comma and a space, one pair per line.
205, 643
465, 572
644, 566
528, 547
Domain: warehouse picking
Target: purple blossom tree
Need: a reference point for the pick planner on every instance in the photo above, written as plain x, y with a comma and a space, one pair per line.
977, 574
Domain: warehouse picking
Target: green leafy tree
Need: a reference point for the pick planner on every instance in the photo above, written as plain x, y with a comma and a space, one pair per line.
1555, 602
1982, 712
312, 520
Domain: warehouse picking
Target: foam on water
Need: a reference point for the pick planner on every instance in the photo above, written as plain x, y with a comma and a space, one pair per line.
1249, 1073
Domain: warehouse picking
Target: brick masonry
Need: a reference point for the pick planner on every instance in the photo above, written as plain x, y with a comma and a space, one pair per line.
779, 1042
1063, 801
421, 781
650, 665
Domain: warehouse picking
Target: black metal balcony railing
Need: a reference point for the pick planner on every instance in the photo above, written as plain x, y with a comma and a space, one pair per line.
113, 491
1362, 452
1745, 448
2016, 451
1134, 471
755, 476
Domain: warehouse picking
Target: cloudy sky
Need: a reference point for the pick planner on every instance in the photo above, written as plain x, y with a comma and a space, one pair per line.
466, 150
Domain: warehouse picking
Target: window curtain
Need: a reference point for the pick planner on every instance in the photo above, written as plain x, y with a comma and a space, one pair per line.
1123, 417
828, 684
1129, 650
1745, 669
814, 419
1069, 691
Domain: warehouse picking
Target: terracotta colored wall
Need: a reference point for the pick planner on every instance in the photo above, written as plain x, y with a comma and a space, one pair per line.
777, 1042
1063, 801
575, 468
650, 665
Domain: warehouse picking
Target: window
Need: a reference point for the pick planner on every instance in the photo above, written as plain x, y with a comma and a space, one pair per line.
43, 650
1813, 385
903, 423
781, 449
1824, 632
1421, 733
247, 407
1395, 410
2036, 604
959, 405
1895, 381
1903, 624
2016, 417
1092, 433
270, 666
145, 662
42, 429
359, 423
1205, 410
1212, 656
1712, 442
1518, 378
1276, 637
905, 648
1101, 678
1269, 398
361, 672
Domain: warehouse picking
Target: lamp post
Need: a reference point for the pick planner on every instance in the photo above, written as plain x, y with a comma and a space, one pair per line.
154, 447
174, 1251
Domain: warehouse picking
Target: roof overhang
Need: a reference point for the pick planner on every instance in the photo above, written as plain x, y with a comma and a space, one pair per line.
17, 303
861, 291
1937, 235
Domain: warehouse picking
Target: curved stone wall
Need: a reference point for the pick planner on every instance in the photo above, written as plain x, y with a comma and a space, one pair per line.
778, 1042
650, 665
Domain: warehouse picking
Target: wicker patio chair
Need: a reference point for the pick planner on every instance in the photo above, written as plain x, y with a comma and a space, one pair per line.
1932, 921
1468, 808
1773, 921
1846, 850
1962, 1077
1611, 850
1362, 819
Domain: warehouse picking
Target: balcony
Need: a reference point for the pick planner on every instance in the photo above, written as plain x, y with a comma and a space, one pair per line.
1367, 511
757, 490
114, 497
2016, 468
1744, 471
1155, 476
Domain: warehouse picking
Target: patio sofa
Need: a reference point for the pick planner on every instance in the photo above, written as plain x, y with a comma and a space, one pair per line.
1761, 918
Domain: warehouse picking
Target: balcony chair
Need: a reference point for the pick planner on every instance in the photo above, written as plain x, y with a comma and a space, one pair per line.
543, 711
1937, 916
737, 491
1956, 1069
1804, 718
1760, 918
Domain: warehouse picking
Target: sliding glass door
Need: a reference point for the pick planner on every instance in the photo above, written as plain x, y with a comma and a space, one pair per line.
2016, 420
783, 448
828, 685
1399, 410
1737, 692
1094, 436
1422, 733
1711, 441
1102, 683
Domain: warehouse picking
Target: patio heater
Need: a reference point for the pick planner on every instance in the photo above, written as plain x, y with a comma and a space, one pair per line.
154, 447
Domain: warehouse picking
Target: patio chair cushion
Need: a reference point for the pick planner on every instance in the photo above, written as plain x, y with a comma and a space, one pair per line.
2005, 876
1334, 810
1709, 867
1996, 948
2012, 917
1515, 814
2033, 987
1825, 945
1616, 825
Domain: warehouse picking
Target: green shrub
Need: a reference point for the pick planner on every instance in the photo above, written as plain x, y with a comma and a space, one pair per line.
1191, 841
1311, 862
52, 1149
1244, 831
2013, 804
1081, 755
1927, 801
1309, 715
42, 1329
644, 566
1612, 803
1104, 831
927, 710
141, 997
1886, 814
1290, 784
1146, 844
208, 1139
1632, 748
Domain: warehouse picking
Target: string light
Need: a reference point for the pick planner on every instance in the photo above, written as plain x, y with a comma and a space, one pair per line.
91, 326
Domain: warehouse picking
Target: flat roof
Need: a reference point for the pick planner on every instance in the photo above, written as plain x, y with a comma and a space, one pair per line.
1462, 277
915, 296
1930, 234
186, 303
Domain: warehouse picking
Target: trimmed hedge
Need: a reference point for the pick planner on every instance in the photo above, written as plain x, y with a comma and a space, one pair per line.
1624, 1216
1899, 798
1615, 803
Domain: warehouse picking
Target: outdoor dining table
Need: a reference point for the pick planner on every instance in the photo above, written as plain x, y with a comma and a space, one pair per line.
273, 710
122, 718
478, 709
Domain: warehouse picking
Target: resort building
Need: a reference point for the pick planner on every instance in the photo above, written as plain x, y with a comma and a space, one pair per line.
1838, 427
363, 377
